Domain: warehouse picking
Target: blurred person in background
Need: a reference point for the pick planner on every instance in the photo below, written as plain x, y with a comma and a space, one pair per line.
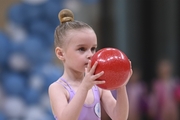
163, 105
137, 93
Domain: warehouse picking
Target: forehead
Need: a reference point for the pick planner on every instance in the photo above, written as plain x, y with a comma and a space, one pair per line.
82, 37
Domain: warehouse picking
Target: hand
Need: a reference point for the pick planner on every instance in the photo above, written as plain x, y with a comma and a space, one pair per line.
90, 78
129, 76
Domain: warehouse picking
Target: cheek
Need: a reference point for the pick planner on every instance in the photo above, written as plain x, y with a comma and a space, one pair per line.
77, 63
74, 58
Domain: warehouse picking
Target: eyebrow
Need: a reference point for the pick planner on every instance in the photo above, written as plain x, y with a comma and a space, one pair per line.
80, 45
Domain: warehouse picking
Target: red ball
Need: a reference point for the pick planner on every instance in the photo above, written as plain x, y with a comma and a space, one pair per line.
116, 67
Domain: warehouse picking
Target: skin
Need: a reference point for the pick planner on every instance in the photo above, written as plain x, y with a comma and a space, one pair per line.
75, 54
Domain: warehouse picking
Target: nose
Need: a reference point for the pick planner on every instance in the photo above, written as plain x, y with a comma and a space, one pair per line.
90, 54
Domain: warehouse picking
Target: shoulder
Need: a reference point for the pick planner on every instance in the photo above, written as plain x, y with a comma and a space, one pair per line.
55, 86
57, 89
58, 97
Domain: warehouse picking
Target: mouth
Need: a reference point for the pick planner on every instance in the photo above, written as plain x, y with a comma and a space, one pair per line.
86, 64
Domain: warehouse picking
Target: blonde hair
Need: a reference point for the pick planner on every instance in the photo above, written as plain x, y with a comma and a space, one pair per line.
67, 22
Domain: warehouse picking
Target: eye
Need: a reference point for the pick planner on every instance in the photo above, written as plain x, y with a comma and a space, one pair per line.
93, 49
81, 49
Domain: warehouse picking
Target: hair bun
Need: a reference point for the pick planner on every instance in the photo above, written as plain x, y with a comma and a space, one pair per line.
65, 15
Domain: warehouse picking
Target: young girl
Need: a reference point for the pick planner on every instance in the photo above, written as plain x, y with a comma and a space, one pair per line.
75, 96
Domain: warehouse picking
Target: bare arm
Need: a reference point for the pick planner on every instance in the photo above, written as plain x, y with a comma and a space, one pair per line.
59, 99
60, 106
117, 109
121, 109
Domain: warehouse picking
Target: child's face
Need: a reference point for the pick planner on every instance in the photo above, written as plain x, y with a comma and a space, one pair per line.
79, 48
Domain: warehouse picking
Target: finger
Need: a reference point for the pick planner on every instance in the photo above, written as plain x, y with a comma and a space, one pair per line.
96, 76
99, 82
94, 67
86, 71
130, 73
89, 66
130, 63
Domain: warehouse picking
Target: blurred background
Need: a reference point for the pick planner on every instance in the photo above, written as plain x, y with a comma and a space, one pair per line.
147, 31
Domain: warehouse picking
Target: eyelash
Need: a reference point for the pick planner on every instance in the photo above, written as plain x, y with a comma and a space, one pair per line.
93, 49
81, 49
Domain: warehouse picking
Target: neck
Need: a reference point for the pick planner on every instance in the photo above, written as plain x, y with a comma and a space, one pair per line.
71, 75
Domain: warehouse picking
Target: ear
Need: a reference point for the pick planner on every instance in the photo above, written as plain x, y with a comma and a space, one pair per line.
59, 53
